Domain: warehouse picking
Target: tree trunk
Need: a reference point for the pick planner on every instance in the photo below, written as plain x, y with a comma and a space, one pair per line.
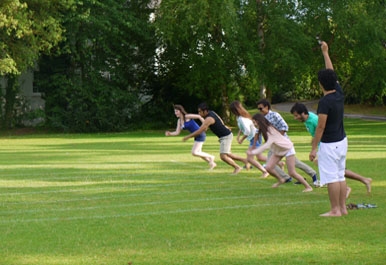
260, 32
10, 98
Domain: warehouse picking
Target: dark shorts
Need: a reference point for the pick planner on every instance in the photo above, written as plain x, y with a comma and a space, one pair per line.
200, 138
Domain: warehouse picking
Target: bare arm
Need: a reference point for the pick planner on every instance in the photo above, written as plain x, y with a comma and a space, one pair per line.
204, 126
240, 138
194, 117
322, 118
177, 131
326, 56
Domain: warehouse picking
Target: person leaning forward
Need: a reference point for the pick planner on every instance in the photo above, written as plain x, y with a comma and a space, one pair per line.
225, 135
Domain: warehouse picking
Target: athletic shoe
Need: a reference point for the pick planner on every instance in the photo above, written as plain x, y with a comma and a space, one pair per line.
298, 183
317, 184
288, 180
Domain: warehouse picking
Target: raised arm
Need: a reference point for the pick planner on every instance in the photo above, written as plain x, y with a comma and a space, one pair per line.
326, 56
194, 117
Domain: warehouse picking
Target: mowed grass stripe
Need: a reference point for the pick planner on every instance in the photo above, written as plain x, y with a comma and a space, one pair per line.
159, 212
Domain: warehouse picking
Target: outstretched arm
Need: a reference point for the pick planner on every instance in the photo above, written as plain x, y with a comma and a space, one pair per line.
326, 56
177, 131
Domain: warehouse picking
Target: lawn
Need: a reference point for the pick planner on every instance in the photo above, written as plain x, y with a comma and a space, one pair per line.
141, 198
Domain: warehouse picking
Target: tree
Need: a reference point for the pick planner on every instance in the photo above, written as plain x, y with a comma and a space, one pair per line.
199, 49
100, 82
27, 29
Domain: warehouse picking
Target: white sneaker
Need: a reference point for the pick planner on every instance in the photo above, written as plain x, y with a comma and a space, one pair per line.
317, 184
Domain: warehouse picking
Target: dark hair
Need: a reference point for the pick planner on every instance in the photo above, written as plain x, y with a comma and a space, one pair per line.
203, 106
263, 125
264, 102
328, 79
299, 108
237, 109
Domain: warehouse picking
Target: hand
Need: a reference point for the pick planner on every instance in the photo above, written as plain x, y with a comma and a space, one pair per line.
324, 46
185, 138
312, 155
167, 133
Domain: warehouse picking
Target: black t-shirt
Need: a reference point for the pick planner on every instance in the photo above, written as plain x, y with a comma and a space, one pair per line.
333, 106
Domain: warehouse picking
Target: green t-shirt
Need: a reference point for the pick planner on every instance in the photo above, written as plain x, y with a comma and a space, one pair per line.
311, 123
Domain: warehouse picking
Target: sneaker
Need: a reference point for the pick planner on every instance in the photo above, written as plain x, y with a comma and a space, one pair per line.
298, 183
317, 184
288, 180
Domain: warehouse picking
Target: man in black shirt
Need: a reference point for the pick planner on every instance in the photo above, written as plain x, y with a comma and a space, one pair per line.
225, 135
331, 136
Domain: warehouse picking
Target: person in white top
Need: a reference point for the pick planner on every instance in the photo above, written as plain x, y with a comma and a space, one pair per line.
247, 131
280, 147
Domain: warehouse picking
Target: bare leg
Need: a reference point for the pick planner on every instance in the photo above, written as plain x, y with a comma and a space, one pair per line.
343, 196
227, 158
352, 175
278, 169
261, 158
270, 167
348, 191
255, 163
337, 194
197, 151
241, 159
292, 172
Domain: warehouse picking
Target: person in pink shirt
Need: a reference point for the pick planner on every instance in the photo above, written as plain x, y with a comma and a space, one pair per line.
280, 147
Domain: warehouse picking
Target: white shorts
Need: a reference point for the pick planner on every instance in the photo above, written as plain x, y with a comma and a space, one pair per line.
226, 144
291, 152
332, 161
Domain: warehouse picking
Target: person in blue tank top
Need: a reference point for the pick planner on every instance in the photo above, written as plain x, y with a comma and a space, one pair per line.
224, 134
186, 121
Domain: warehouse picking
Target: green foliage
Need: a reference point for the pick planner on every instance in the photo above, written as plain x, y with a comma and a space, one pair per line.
103, 79
114, 64
27, 30
200, 49
142, 198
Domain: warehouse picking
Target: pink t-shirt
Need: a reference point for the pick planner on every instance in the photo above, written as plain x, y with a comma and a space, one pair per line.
279, 144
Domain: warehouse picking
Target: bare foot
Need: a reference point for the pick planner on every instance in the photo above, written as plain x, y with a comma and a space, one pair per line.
277, 184
265, 175
330, 214
212, 165
348, 191
248, 166
237, 170
368, 185
307, 189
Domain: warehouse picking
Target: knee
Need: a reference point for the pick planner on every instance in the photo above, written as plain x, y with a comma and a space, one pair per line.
223, 157
250, 159
270, 168
291, 172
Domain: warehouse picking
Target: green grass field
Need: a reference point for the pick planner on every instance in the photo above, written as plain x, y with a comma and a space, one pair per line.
141, 198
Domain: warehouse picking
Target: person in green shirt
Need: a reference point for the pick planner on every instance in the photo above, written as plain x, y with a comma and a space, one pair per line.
310, 120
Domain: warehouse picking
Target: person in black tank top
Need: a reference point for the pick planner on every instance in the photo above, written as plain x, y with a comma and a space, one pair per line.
217, 126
